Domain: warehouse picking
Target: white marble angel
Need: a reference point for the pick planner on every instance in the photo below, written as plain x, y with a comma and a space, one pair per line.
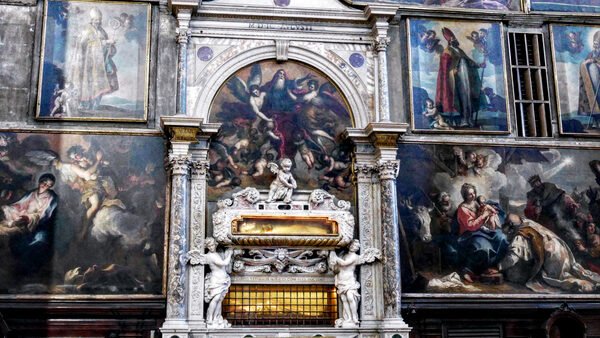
217, 281
346, 283
284, 184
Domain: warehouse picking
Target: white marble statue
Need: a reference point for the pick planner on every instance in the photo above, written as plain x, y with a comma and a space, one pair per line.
346, 283
284, 184
217, 281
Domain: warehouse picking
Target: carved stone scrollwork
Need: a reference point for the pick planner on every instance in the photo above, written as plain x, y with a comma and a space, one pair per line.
232, 222
321, 199
281, 260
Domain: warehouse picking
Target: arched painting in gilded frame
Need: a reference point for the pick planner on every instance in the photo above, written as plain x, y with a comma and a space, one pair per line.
270, 111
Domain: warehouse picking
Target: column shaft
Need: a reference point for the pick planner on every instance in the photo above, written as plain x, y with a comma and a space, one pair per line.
388, 170
183, 37
197, 235
370, 237
176, 309
381, 44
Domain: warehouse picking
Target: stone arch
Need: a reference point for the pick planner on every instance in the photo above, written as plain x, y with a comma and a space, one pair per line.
355, 92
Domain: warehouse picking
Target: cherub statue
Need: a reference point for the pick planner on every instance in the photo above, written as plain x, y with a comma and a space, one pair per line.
284, 184
346, 283
217, 281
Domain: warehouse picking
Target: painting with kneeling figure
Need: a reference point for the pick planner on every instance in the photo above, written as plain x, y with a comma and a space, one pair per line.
499, 219
81, 214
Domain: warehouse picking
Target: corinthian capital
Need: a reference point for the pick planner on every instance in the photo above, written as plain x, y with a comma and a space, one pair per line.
199, 169
388, 170
363, 172
179, 164
381, 43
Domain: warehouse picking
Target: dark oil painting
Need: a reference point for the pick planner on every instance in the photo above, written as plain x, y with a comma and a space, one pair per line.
499, 220
270, 111
81, 214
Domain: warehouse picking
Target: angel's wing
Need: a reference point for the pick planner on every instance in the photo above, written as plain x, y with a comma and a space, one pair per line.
195, 257
239, 89
255, 77
332, 260
41, 157
273, 167
369, 256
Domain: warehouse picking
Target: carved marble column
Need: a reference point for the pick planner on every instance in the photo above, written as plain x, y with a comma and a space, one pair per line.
176, 305
199, 170
384, 138
388, 170
380, 15
381, 44
370, 237
181, 132
183, 37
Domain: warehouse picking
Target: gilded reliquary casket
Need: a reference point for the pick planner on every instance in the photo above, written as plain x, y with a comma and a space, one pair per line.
246, 220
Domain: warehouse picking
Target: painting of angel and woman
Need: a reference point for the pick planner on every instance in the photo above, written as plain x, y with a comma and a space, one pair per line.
499, 220
577, 65
274, 111
457, 77
79, 214
95, 61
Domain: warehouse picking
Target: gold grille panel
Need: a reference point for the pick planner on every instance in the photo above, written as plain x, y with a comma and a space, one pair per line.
281, 305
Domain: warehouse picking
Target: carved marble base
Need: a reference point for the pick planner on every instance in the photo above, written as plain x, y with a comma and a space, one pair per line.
287, 332
392, 327
346, 324
175, 328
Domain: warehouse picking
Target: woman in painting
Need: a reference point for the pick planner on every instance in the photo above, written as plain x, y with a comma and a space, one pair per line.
28, 225
480, 248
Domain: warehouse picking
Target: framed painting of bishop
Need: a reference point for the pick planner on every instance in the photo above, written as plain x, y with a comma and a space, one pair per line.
458, 82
